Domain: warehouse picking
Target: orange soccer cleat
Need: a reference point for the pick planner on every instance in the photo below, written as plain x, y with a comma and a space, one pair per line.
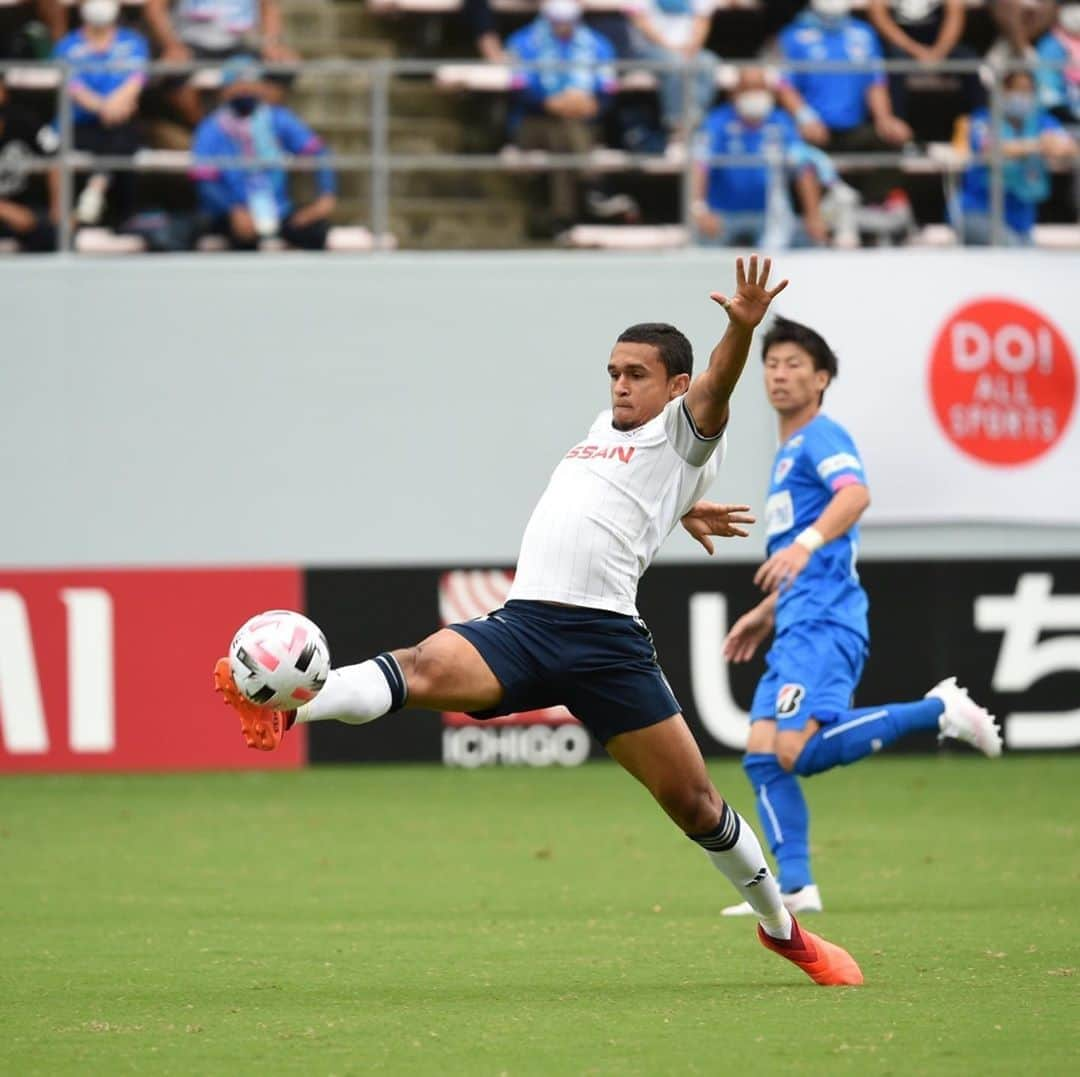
823, 961
262, 728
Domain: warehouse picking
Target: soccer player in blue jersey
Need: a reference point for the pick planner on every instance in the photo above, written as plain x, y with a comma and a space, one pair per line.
802, 721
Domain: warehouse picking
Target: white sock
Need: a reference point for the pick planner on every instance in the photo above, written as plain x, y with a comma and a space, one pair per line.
734, 849
358, 694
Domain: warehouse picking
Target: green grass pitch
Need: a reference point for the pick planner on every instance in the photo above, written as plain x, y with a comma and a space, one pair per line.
416, 920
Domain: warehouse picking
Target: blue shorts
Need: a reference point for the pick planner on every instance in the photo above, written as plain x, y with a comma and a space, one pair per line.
601, 666
812, 669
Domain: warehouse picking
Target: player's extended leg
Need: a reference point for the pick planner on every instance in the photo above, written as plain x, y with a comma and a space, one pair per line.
443, 672
947, 710
666, 759
783, 814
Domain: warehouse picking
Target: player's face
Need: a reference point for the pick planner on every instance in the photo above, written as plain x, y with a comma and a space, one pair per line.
640, 386
791, 382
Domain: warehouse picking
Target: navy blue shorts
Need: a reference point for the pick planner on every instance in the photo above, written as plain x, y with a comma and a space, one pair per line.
601, 666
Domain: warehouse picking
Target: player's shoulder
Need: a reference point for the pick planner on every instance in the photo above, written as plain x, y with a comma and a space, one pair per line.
824, 428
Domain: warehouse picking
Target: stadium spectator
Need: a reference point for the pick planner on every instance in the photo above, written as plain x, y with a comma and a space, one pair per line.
29, 201
28, 29
557, 109
187, 30
248, 205
1059, 86
928, 31
676, 31
749, 204
482, 30
1022, 23
1028, 139
104, 102
849, 111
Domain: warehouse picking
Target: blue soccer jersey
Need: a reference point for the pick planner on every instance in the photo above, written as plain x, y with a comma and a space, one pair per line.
810, 467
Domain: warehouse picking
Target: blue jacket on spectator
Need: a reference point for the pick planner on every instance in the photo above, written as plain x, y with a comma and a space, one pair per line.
1055, 89
839, 98
745, 188
268, 134
537, 41
126, 46
1026, 179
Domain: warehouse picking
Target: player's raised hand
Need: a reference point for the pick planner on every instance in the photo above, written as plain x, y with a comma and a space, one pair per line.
752, 295
707, 518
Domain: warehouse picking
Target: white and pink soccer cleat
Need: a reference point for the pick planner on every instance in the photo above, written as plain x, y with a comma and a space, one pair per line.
963, 718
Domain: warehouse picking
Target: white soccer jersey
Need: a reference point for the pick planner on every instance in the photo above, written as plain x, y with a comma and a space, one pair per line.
610, 503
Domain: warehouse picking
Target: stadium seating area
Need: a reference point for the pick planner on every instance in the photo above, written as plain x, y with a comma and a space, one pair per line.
455, 179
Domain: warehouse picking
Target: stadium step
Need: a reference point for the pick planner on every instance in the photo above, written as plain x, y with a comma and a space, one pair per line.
330, 20
446, 223
315, 96
405, 136
314, 47
467, 185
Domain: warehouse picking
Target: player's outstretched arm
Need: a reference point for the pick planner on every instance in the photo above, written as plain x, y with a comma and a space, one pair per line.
709, 393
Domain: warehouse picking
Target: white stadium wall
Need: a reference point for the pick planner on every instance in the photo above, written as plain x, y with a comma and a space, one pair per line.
407, 409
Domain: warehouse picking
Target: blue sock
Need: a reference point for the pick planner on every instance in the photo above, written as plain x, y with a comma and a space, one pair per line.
784, 818
858, 733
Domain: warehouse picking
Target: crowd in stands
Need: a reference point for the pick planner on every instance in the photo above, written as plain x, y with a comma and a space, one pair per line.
799, 138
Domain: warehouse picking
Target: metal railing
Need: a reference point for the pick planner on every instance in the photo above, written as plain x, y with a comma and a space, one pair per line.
381, 163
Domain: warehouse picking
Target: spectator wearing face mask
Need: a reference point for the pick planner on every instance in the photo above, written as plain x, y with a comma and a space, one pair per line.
676, 31
1059, 85
1028, 138
848, 111
748, 204
105, 101
557, 109
928, 31
252, 204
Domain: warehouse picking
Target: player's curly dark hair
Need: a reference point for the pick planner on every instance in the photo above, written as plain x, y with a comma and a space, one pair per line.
676, 352
785, 331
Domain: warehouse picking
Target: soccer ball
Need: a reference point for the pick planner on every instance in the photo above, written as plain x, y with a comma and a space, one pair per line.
279, 659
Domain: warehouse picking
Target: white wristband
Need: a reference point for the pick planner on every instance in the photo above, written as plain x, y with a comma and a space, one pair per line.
810, 539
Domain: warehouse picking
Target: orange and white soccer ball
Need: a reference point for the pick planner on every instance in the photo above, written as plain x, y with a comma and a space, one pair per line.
279, 659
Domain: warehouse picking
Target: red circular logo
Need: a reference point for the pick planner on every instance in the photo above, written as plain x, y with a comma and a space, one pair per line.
1002, 381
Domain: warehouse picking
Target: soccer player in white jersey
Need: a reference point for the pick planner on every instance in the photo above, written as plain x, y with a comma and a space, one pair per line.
802, 720
569, 632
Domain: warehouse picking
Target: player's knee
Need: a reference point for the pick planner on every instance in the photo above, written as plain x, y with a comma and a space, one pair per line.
787, 755
420, 668
695, 809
